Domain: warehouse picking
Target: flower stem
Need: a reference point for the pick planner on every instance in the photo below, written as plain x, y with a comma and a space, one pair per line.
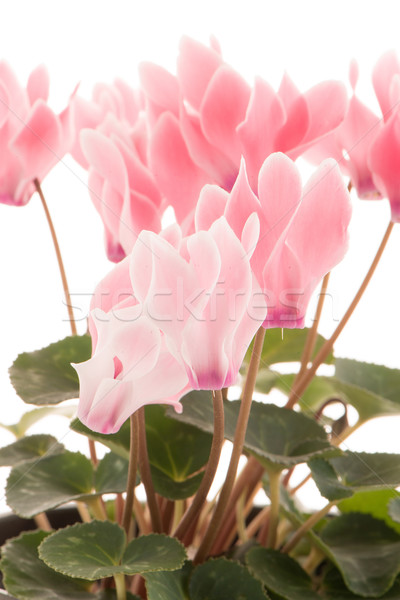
238, 442
59, 258
299, 388
209, 473
307, 525
145, 473
131, 481
120, 588
274, 496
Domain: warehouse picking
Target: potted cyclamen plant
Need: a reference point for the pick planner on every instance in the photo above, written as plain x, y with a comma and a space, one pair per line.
187, 326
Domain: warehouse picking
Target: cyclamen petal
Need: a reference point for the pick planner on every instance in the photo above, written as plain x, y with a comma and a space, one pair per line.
200, 296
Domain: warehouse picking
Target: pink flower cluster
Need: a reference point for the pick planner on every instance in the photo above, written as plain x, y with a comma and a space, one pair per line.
249, 245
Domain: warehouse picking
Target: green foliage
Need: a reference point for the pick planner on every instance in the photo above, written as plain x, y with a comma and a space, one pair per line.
46, 376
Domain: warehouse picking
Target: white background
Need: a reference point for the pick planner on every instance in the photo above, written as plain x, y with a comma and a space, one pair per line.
88, 41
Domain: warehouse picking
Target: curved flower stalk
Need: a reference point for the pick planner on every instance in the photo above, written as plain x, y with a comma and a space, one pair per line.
303, 232
32, 137
208, 116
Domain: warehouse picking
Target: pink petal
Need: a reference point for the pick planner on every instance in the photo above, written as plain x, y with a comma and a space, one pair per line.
38, 84
327, 105
356, 135
242, 202
297, 117
219, 167
384, 162
138, 213
84, 115
39, 142
4, 105
178, 178
196, 66
386, 67
210, 206
105, 158
160, 86
223, 109
264, 118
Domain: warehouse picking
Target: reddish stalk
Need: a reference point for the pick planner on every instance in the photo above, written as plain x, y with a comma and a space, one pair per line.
59, 258
218, 439
300, 387
237, 449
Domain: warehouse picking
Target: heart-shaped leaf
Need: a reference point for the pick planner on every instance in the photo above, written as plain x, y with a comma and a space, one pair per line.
169, 585
394, 508
366, 551
98, 549
46, 376
287, 346
222, 579
377, 503
28, 578
334, 588
279, 437
281, 574
37, 485
111, 474
339, 477
30, 447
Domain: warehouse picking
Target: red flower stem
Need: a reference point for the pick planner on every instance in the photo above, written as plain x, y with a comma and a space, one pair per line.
240, 432
218, 439
300, 387
145, 473
59, 258
132, 470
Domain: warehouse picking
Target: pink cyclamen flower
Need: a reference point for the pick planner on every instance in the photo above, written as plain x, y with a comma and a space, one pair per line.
202, 295
208, 117
122, 188
303, 232
130, 368
384, 156
350, 143
32, 137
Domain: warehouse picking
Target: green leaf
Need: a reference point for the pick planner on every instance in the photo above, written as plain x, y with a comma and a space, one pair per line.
28, 578
33, 446
287, 346
281, 574
98, 549
340, 476
375, 502
366, 551
279, 437
5, 596
394, 508
111, 474
175, 490
37, 485
46, 376
177, 452
222, 579
33, 416
116, 442
334, 588
169, 585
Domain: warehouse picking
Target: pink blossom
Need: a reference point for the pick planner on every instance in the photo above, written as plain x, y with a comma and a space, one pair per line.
203, 297
350, 143
122, 189
384, 156
209, 116
131, 367
32, 137
303, 233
